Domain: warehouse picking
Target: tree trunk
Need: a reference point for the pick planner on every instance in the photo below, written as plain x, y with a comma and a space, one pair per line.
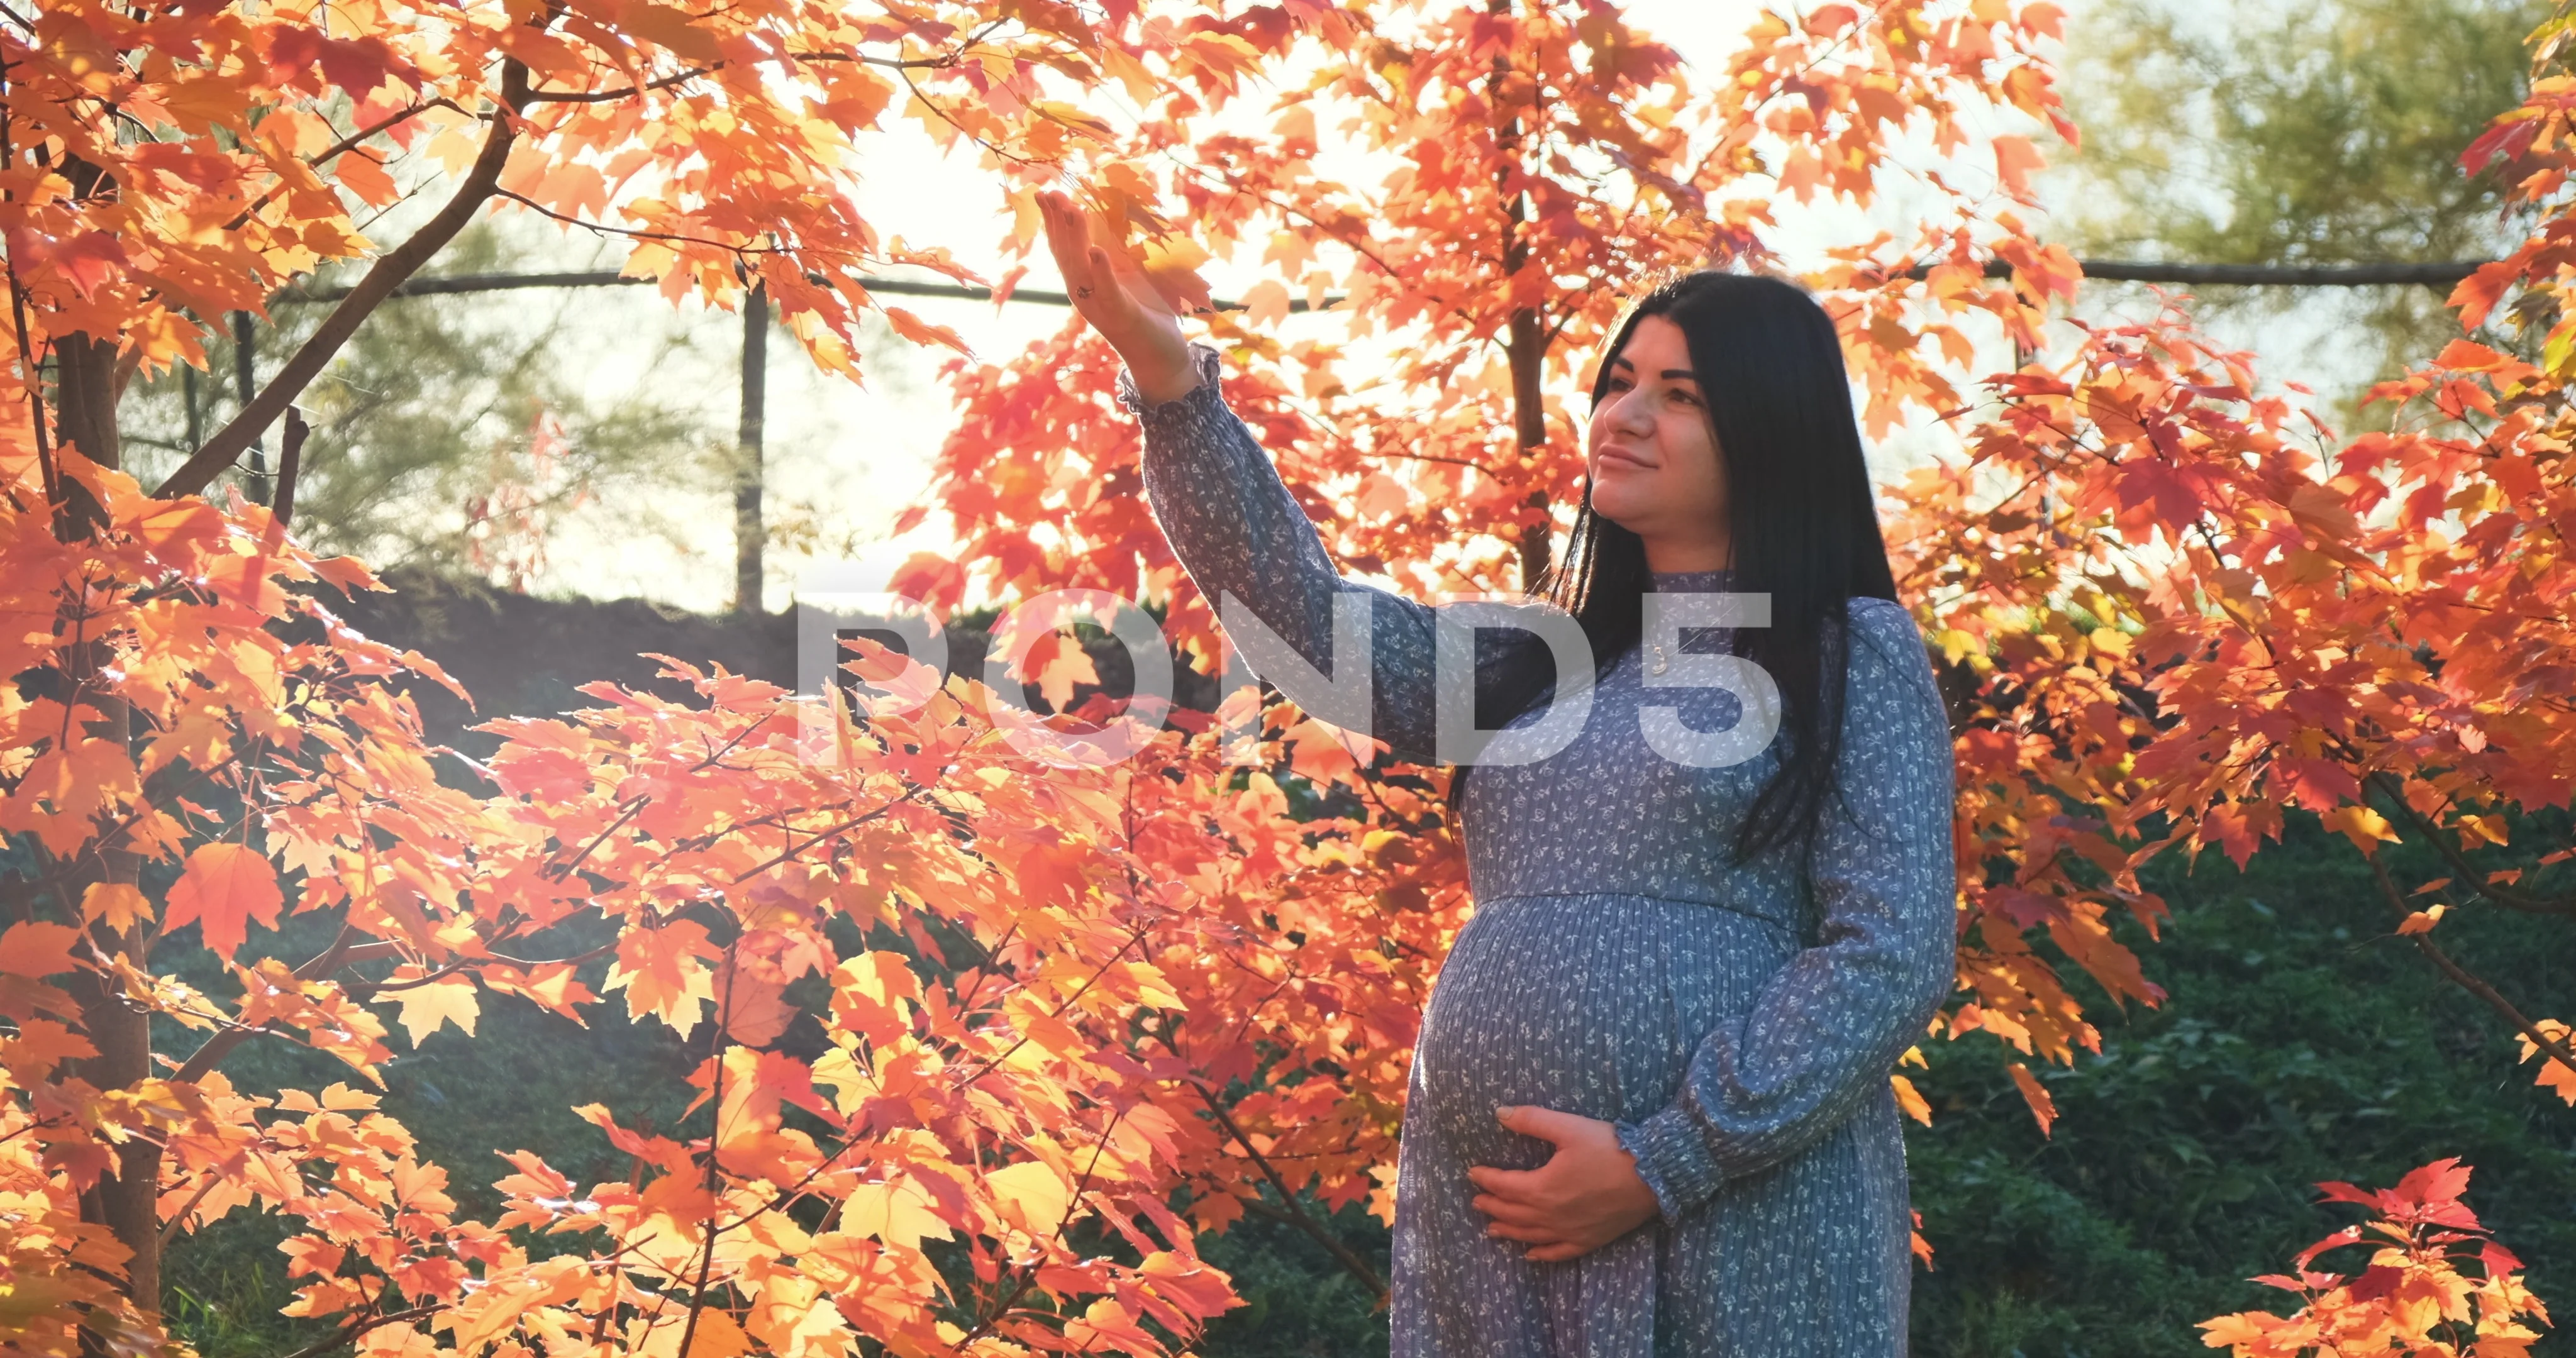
128, 1202
1527, 349
246, 383
85, 417
1524, 341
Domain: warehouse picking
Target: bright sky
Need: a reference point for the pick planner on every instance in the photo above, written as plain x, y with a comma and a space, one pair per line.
854, 456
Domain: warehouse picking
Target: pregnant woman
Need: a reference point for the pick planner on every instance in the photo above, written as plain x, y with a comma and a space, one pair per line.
1649, 1110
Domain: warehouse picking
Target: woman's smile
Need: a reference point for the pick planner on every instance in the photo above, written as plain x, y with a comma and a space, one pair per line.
1656, 469
1613, 457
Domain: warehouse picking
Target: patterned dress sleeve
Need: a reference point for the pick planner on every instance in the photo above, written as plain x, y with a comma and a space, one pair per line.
1826, 1031
1238, 531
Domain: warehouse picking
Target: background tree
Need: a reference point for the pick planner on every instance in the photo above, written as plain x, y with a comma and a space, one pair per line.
2297, 134
479, 436
451, 434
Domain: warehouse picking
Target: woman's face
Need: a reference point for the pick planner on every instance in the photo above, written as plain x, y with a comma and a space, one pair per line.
1653, 455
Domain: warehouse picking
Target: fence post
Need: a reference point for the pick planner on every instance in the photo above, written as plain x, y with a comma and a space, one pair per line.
750, 537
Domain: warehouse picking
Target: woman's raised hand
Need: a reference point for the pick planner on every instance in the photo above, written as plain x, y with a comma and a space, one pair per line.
1119, 303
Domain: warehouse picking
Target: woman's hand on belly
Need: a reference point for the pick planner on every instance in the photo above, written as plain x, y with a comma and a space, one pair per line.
1586, 1195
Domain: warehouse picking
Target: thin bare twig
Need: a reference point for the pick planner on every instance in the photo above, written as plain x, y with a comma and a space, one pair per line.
2461, 976
350, 1332
1295, 1215
2470, 876
389, 270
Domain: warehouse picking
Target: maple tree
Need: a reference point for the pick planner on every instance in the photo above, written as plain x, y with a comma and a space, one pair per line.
2238, 613
184, 703
979, 1088
2169, 619
2329, 140
2413, 1297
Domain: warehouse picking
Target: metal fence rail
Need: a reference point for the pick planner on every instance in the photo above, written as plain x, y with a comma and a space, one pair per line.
2435, 274
750, 535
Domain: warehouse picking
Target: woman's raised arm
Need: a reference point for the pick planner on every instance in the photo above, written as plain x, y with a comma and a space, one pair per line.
1240, 533
1232, 521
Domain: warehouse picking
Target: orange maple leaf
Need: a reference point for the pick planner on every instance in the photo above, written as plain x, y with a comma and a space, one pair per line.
223, 887
35, 948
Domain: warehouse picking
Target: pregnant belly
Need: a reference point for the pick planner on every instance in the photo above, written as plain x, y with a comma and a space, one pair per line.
1588, 1004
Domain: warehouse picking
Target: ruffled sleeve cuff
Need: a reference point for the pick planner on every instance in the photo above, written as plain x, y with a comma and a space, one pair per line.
1175, 415
1674, 1160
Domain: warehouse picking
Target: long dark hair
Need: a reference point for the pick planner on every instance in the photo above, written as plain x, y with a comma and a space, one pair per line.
1799, 509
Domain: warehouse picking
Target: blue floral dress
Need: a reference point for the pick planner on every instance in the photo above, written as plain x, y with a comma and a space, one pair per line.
1738, 1023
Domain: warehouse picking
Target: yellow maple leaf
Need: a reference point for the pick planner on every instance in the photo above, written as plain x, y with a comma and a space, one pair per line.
447, 1000
2358, 823
897, 1211
1032, 1195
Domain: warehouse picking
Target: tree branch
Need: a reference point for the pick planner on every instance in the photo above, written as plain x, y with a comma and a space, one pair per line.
31, 364
353, 1330
212, 1053
170, 1228
637, 233
626, 814
2461, 976
1293, 1214
332, 152
391, 269
2471, 876
2435, 273
603, 96
819, 836
606, 278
